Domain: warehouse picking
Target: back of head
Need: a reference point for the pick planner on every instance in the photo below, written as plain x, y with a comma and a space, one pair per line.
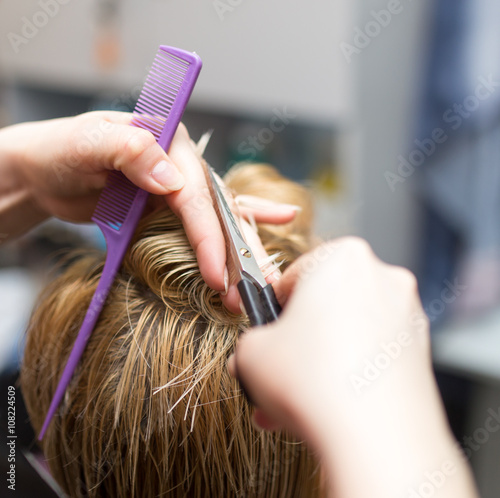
151, 409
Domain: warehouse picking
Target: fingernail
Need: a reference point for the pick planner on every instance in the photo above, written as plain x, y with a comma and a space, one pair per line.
242, 308
280, 297
297, 209
255, 424
226, 282
231, 366
168, 176
264, 204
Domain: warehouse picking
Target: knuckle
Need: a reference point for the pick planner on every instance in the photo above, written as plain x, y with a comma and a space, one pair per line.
406, 277
89, 117
136, 143
196, 204
356, 245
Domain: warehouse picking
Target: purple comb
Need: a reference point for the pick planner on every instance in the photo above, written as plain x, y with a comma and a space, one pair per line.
159, 110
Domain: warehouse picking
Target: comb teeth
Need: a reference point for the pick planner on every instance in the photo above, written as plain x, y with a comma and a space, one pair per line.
120, 205
115, 201
160, 91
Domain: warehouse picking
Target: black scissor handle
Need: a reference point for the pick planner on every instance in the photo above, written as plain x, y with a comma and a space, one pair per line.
261, 306
270, 303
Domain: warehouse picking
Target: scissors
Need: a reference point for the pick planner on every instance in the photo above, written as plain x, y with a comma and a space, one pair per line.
257, 295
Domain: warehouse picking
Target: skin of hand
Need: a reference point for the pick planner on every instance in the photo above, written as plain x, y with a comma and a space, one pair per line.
347, 367
58, 168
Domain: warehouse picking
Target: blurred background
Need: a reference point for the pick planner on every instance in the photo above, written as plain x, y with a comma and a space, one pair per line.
389, 110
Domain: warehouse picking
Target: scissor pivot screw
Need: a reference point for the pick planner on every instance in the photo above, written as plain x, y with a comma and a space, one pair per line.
245, 252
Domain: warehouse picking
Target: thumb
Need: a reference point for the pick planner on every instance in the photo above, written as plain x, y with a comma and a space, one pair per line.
136, 154
259, 369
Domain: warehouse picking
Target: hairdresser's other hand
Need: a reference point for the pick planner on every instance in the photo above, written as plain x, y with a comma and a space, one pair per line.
58, 168
64, 162
348, 368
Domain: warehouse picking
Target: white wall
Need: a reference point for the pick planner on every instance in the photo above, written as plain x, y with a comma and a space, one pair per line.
257, 54
389, 74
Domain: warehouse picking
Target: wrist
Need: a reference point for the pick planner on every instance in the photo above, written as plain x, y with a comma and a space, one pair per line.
18, 209
409, 434
11, 152
17, 143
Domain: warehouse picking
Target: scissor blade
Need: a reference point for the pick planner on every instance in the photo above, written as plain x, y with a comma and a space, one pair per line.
240, 251
225, 211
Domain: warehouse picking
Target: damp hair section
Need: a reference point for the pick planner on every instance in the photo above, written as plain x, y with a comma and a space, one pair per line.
152, 410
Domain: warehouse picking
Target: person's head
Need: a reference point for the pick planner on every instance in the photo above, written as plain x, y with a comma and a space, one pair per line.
151, 409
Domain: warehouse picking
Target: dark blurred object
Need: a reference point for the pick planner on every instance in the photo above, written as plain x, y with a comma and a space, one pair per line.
459, 182
457, 393
441, 249
28, 482
26, 103
42, 247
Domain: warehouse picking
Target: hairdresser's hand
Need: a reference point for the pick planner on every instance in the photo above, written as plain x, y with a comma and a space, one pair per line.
58, 168
64, 162
347, 367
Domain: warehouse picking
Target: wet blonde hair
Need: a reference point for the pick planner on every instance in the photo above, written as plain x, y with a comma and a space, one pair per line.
151, 410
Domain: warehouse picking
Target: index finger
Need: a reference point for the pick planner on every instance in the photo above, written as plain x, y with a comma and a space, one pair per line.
194, 206
302, 267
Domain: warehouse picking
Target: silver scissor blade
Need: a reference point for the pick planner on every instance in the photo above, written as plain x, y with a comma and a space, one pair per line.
225, 210
241, 253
